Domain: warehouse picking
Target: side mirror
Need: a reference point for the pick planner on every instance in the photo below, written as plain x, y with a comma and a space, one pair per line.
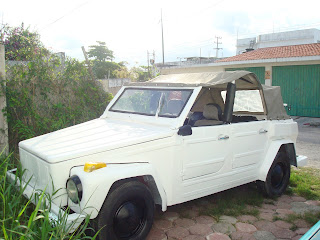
185, 130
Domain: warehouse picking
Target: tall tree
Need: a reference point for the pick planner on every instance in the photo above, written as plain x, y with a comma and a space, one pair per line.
100, 52
102, 57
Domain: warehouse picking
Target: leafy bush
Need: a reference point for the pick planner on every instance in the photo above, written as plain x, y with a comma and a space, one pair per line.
44, 95
20, 43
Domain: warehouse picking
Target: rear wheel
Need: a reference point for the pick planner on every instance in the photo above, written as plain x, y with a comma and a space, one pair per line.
278, 177
127, 213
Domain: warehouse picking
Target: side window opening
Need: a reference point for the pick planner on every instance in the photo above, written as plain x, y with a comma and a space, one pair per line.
207, 109
247, 107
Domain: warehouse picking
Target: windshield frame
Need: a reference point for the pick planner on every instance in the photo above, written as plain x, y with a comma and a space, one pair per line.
190, 90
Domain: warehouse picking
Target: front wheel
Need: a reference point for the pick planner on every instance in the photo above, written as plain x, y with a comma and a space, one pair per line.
127, 213
278, 177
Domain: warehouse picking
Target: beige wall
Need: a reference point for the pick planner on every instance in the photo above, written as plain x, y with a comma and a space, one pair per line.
3, 120
115, 85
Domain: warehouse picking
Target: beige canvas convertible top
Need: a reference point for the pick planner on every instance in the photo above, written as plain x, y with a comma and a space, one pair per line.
244, 80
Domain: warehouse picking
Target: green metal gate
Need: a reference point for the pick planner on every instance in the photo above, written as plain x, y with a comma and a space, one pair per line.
259, 71
300, 88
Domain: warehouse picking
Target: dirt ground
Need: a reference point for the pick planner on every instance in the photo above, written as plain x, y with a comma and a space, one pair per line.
308, 142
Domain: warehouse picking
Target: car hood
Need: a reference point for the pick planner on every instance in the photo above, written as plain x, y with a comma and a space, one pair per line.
91, 137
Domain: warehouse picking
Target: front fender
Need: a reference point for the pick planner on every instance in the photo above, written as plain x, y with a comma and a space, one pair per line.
97, 184
271, 154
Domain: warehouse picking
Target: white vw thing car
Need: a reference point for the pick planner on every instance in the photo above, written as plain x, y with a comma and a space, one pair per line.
170, 140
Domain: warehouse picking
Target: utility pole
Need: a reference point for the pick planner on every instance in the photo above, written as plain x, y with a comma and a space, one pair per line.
217, 48
150, 61
88, 63
162, 39
148, 64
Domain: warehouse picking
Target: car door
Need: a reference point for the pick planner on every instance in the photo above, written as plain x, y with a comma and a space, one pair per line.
206, 156
249, 141
249, 136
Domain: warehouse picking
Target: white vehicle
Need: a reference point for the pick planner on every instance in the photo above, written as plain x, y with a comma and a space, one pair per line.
167, 141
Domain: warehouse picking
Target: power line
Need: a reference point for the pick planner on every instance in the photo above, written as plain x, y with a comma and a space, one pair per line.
71, 11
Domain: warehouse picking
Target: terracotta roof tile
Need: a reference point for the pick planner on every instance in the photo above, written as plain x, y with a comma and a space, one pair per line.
277, 52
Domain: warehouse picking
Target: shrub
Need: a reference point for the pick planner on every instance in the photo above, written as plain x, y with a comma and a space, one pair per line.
44, 95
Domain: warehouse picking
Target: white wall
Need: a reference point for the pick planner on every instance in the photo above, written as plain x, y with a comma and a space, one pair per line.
298, 37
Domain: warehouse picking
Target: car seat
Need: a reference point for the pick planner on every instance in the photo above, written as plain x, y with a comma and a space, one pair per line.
212, 116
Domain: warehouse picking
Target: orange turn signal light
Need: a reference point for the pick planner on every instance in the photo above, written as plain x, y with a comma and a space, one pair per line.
91, 166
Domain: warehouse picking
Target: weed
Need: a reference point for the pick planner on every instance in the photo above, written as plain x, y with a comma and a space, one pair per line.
276, 218
312, 218
289, 191
293, 227
19, 219
292, 217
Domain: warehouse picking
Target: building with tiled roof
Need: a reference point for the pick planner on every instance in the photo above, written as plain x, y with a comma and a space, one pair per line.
295, 51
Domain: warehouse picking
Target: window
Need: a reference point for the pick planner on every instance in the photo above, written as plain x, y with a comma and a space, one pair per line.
246, 101
152, 102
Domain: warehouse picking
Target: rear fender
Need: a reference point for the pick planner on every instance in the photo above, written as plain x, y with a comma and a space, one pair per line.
271, 154
97, 184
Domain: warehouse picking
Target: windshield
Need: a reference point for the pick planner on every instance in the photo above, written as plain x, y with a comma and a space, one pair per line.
152, 102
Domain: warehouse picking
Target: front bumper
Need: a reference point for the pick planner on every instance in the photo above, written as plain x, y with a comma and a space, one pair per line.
72, 221
301, 161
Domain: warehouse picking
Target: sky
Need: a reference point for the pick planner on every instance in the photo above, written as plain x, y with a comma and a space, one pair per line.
131, 28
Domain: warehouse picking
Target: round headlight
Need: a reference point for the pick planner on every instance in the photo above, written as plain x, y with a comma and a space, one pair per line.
74, 189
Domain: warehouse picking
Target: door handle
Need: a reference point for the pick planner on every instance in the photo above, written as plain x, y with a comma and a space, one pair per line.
224, 137
263, 131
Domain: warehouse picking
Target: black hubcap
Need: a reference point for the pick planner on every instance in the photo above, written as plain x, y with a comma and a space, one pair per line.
129, 219
277, 175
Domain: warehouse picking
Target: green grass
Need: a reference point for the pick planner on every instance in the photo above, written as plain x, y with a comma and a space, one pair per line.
312, 218
20, 219
235, 202
309, 217
306, 182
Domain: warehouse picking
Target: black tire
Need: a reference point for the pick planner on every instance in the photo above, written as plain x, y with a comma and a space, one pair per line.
277, 178
126, 214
